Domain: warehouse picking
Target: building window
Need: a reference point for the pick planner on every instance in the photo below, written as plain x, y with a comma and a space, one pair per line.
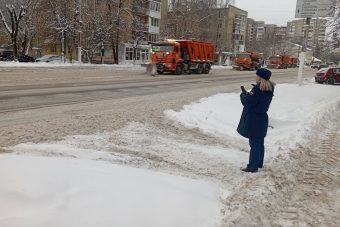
53, 49
153, 37
129, 53
154, 22
144, 55
155, 6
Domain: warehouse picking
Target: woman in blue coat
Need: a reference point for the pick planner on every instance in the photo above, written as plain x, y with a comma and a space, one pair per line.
254, 120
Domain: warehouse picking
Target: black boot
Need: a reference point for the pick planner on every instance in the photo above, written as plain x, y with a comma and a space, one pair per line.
248, 170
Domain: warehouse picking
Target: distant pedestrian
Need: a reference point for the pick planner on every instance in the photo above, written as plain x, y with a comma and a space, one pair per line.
254, 120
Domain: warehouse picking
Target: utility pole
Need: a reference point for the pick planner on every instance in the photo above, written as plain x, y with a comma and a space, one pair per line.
304, 49
63, 46
120, 5
79, 31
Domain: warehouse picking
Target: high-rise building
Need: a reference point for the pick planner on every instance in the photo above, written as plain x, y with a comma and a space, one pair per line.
227, 28
260, 30
316, 34
251, 33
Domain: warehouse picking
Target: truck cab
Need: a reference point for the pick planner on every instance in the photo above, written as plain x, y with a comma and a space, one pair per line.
167, 55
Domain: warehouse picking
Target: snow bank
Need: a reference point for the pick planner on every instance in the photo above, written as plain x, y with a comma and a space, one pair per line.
55, 191
222, 67
6, 64
293, 111
37, 191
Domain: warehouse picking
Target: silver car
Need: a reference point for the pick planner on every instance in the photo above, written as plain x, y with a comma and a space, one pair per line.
48, 58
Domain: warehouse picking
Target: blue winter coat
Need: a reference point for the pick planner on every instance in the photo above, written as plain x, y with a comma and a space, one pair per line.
254, 119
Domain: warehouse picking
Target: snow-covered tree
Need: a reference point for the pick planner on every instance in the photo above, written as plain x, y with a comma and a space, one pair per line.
330, 50
11, 16
30, 25
96, 36
64, 23
189, 19
334, 26
122, 17
20, 19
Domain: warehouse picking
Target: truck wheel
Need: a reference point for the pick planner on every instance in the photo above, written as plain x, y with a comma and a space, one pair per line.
179, 69
241, 68
200, 69
330, 81
207, 68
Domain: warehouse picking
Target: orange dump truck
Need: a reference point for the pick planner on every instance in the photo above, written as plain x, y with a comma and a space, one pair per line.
179, 56
279, 62
247, 60
293, 62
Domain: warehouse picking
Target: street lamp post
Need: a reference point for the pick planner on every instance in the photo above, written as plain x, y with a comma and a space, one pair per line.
102, 49
79, 31
63, 46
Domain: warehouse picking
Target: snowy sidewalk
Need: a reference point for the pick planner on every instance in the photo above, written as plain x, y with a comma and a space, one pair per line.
299, 116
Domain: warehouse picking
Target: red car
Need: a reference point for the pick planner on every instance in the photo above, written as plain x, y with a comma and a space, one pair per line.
328, 75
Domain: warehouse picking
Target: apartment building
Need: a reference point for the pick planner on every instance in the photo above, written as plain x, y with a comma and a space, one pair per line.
260, 30
316, 34
153, 13
237, 24
226, 28
251, 33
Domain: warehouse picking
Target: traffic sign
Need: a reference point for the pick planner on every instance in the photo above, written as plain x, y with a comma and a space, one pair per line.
315, 8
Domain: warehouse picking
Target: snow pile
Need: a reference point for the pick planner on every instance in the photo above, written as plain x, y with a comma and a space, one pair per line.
9, 64
222, 67
293, 111
39, 192
89, 189
137, 138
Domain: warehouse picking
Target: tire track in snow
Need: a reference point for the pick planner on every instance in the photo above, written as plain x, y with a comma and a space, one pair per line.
318, 183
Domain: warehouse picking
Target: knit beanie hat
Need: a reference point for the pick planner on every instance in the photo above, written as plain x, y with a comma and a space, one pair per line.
264, 73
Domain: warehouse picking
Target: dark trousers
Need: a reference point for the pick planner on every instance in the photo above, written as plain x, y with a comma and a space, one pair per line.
256, 153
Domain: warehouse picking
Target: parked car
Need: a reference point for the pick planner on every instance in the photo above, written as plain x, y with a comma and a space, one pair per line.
315, 65
49, 58
7, 55
54, 59
328, 75
331, 64
322, 66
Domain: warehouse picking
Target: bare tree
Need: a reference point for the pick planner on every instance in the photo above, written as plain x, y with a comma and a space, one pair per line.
330, 49
63, 23
20, 19
11, 20
192, 19
97, 35
29, 26
122, 17
334, 26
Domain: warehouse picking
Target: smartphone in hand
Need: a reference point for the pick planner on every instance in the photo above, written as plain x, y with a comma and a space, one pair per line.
243, 89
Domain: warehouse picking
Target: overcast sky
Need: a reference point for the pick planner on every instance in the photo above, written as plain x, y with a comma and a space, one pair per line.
271, 11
